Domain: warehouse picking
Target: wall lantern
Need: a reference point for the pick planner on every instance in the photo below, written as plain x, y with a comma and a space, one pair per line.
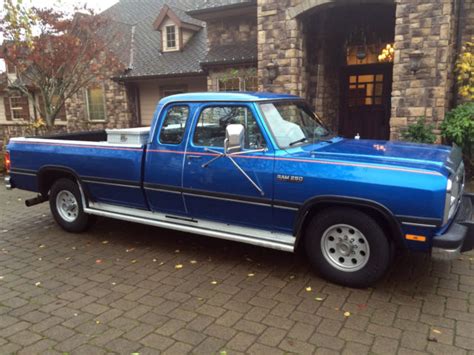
273, 71
415, 60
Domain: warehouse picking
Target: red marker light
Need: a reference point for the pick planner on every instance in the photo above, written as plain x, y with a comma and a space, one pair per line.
8, 162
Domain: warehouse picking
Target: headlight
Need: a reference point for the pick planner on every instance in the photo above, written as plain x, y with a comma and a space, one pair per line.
454, 192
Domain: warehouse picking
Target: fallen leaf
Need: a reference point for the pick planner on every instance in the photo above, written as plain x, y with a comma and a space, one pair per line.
129, 250
41, 246
5, 231
308, 289
114, 283
436, 331
37, 284
40, 259
1, 277
178, 266
176, 251
134, 261
319, 299
74, 248
97, 322
292, 277
214, 282
75, 314
251, 275
162, 263
200, 299
154, 260
193, 262
98, 261
347, 314
223, 352
105, 242
68, 258
248, 259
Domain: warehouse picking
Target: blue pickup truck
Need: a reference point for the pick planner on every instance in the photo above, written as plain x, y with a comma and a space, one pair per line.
257, 168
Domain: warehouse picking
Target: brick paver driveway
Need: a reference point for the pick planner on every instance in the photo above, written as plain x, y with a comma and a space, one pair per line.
126, 288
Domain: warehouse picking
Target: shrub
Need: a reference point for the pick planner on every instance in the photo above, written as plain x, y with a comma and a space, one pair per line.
419, 132
458, 128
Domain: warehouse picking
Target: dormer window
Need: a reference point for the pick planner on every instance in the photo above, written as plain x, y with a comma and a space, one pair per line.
171, 37
176, 31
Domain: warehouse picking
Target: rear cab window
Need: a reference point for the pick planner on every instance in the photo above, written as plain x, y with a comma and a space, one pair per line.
174, 125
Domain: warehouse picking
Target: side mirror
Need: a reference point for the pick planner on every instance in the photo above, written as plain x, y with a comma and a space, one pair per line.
234, 138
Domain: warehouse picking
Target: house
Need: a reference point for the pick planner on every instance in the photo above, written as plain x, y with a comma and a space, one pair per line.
368, 67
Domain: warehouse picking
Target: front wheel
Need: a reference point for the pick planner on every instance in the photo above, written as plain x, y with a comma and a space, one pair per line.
66, 206
348, 247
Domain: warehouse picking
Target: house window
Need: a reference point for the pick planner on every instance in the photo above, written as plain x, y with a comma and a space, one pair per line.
168, 91
249, 83
96, 103
170, 37
228, 85
19, 109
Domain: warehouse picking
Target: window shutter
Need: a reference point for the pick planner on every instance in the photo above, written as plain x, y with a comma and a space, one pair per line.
8, 112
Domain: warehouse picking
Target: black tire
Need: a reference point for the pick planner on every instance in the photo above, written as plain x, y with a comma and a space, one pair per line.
379, 247
82, 221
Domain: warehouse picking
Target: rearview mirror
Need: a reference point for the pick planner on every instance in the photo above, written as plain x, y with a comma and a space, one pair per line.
234, 138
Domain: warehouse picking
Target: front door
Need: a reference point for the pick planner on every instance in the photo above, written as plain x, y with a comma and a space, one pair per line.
366, 101
214, 188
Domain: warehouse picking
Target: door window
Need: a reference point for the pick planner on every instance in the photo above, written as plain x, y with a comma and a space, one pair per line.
174, 125
365, 90
211, 127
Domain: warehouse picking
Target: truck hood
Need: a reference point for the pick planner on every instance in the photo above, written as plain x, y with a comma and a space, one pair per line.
393, 153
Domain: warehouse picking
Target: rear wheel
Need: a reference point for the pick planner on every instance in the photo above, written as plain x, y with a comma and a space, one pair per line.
347, 247
65, 202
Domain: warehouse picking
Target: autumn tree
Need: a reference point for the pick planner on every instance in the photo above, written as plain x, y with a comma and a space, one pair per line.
56, 53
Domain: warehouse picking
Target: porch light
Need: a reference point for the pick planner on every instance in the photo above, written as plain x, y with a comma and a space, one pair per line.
415, 60
273, 71
386, 56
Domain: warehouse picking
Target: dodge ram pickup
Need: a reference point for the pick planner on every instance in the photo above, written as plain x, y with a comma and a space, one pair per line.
257, 168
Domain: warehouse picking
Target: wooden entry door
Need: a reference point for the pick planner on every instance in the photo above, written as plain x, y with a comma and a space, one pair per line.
366, 101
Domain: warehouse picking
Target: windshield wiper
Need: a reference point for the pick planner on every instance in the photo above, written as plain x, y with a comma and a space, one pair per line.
298, 141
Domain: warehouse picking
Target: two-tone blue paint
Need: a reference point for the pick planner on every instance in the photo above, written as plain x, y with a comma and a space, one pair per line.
407, 180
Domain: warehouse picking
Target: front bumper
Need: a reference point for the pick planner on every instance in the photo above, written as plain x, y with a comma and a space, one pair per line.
460, 235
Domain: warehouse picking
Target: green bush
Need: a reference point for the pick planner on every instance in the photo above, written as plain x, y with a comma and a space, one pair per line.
419, 132
458, 127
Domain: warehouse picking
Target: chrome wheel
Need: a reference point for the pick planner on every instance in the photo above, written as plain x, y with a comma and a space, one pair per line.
345, 247
67, 206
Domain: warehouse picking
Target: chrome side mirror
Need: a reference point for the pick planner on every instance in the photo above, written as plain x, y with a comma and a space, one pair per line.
234, 138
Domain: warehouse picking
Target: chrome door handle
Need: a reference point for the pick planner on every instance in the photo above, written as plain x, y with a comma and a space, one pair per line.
193, 157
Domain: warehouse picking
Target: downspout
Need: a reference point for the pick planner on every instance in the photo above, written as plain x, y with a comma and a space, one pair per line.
458, 46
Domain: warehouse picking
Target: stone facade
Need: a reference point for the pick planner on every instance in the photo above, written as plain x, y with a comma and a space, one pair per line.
117, 109
230, 32
427, 93
430, 27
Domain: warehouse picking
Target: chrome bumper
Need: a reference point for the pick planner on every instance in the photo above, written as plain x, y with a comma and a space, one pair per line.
460, 235
8, 182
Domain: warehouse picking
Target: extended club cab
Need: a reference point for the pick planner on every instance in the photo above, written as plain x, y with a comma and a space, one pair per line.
259, 169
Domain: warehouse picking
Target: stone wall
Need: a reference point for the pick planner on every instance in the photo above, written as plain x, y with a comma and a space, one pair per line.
117, 111
280, 40
430, 28
232, 30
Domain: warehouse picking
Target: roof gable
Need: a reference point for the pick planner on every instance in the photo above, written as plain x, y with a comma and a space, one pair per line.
167, 11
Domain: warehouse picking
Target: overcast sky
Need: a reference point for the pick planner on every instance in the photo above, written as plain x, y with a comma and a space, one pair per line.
98, 5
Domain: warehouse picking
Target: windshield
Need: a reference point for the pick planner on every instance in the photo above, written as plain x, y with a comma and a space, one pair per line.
293, 123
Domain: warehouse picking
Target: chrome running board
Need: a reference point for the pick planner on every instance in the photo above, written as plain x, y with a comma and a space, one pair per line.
254, 236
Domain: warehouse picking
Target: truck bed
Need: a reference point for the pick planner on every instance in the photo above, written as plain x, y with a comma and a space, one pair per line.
110, 173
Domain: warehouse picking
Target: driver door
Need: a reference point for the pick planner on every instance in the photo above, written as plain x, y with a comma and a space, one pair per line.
220, 192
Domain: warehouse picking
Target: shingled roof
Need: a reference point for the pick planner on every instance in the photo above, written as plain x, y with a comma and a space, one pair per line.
140, 44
